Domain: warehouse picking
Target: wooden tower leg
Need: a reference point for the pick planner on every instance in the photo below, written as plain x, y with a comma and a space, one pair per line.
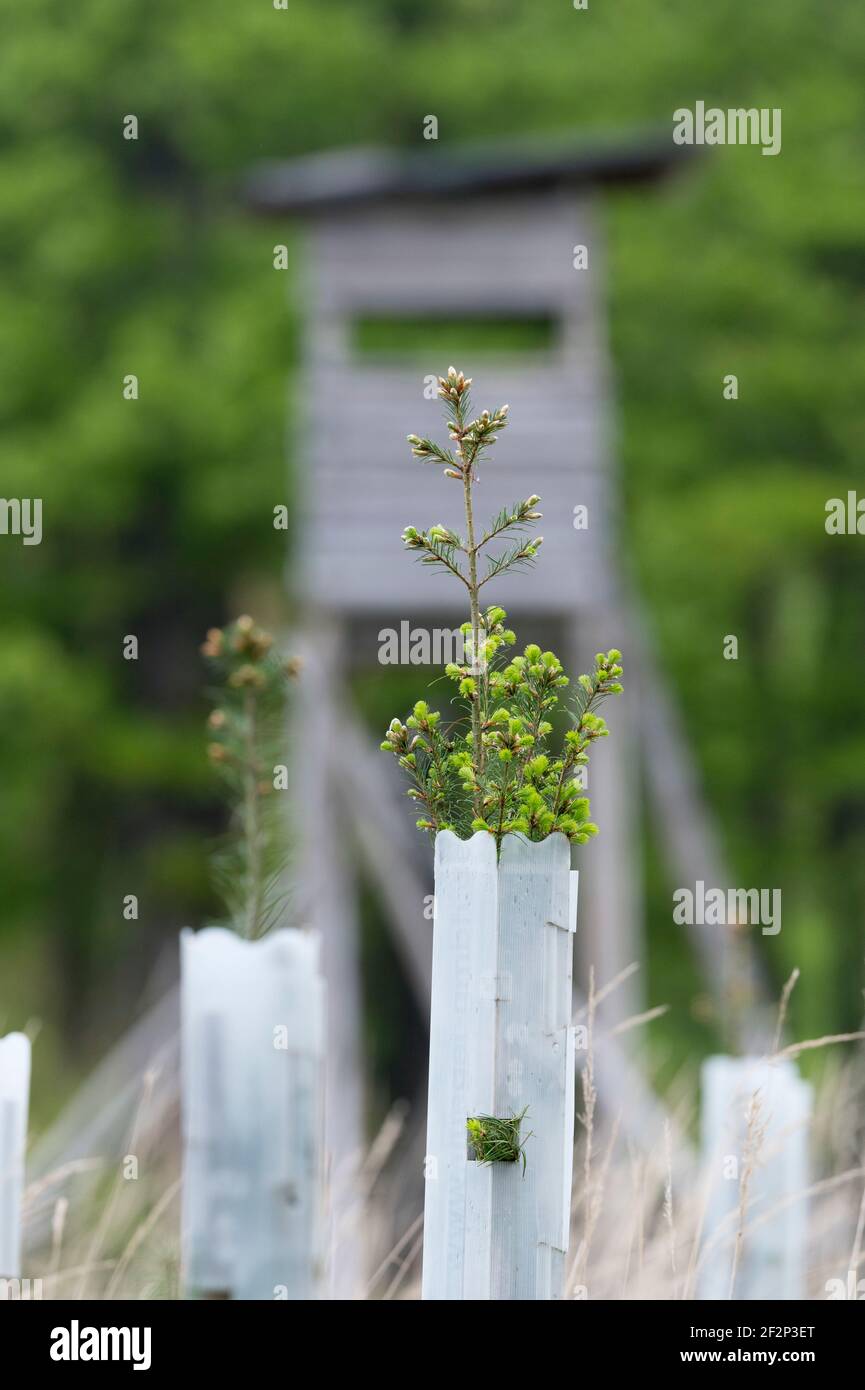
327, 900
733, 972
610, 935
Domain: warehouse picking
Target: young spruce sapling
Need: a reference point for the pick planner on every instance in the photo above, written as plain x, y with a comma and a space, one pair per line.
493, 767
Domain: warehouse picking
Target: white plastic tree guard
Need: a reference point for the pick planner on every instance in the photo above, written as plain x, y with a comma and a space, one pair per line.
252, 1093
14, 1099
500, 1042
755, 1125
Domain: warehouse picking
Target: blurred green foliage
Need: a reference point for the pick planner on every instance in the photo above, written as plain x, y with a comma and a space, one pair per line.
124, 256
449, 340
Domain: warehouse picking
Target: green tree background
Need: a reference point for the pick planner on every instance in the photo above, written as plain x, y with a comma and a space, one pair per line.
125, 256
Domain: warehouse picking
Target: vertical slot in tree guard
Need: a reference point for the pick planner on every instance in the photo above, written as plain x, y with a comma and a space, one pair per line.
14, 1099
756, 1118
252, 1057
501, 1042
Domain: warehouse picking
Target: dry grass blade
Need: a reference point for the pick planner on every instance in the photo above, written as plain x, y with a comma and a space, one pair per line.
103, 1228
404, 1267
392, 1255
782, 1009
754, 1137
668, 1200
140, 1236
601, 994
638, 1019
832, 1038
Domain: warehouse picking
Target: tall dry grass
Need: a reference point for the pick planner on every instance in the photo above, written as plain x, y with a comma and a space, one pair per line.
638, 1215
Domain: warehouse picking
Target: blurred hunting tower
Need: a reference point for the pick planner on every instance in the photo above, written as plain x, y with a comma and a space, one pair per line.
493, 261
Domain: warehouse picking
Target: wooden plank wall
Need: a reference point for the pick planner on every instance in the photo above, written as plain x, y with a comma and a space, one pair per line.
359, 485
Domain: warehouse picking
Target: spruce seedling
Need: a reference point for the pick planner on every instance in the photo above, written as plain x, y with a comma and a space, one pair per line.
245, 729
492, 767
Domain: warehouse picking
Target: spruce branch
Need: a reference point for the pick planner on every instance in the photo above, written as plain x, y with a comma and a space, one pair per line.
519, 556
516, 517
430, 452
437, 546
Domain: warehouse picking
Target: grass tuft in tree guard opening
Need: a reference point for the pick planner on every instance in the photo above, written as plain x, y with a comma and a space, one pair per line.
503, 798
493, 1140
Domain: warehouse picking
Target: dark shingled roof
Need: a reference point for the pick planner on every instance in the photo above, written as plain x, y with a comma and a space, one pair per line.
318, 183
